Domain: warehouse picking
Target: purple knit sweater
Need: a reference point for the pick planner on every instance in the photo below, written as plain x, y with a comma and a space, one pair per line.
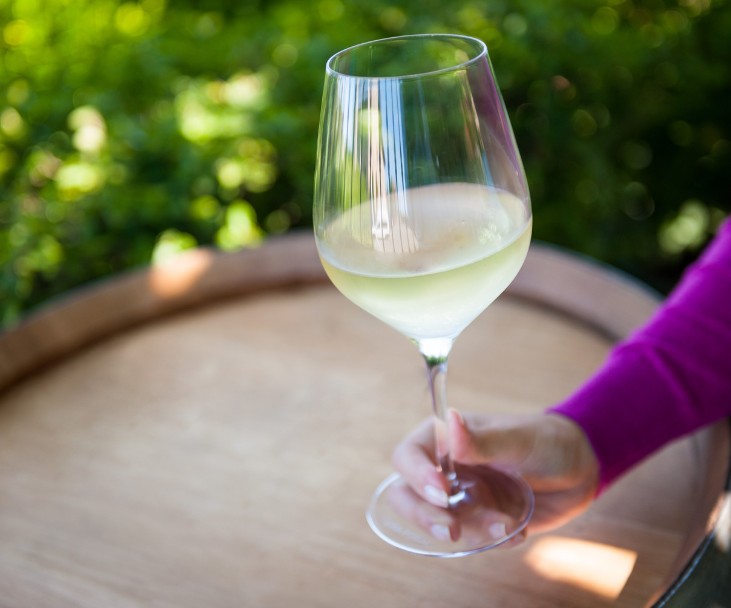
670, 377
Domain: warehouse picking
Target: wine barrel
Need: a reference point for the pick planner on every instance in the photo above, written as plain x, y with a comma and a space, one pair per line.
208, 433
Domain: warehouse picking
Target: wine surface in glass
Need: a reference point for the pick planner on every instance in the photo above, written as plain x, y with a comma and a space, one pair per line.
429, 260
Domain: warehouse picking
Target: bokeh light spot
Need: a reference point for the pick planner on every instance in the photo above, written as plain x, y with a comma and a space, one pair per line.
16, 32
688, 230
12, 123
90, 130
605, 20
636, 155
170, 243
515, 24
285, 55
131, 19
584, 123
331, 10
240, 228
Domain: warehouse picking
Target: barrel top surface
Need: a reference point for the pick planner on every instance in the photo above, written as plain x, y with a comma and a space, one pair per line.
216, 445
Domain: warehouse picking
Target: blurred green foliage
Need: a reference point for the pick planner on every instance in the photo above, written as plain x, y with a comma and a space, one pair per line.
130, 131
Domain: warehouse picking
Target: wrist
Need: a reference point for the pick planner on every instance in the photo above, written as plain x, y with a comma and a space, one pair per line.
577, 459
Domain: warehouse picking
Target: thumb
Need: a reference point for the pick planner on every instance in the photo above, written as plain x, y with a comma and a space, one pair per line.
499, 442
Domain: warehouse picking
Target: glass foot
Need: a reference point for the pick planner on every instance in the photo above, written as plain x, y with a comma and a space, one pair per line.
490, 508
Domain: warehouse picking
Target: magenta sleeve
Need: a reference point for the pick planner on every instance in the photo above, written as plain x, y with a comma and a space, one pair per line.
669, 378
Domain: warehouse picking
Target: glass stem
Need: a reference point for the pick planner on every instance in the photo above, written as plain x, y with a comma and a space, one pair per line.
436, 352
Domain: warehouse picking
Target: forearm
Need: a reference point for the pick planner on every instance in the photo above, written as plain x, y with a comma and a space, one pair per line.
668, 379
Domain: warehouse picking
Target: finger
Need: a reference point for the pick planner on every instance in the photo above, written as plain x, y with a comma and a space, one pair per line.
479, 440
414, 459
437, 522
493, 527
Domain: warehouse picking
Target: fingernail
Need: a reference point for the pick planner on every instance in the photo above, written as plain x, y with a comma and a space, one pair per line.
441, 532
436, 496
498, 530
457, 416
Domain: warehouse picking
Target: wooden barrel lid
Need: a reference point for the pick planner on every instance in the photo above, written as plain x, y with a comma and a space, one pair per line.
209, 433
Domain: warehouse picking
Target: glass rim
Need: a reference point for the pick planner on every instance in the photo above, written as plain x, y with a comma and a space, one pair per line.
482, 47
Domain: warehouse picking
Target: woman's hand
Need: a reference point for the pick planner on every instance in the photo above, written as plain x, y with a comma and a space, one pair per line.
549, 451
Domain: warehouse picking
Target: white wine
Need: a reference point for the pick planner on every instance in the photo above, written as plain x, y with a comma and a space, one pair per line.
429, 261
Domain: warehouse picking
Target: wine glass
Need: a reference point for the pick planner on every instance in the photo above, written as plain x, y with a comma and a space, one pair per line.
422, 217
